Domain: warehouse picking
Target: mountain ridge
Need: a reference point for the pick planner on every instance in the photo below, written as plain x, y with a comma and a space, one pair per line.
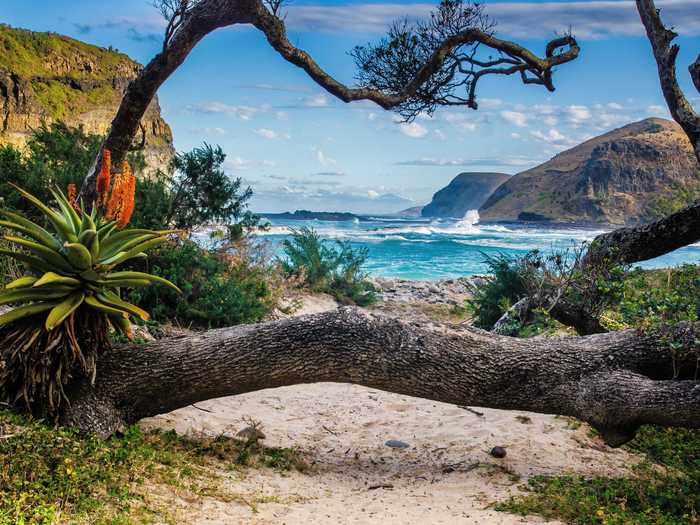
631, 175
467, 191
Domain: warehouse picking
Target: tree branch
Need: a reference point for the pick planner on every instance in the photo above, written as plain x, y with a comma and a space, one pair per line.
614, 381
665, 54
276, 35
641, 243
190, 21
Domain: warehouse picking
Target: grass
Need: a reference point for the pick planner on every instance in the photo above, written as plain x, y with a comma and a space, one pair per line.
50, 475
669, 495
33, 54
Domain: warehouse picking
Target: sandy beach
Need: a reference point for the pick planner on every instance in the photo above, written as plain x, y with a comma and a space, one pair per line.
445, 475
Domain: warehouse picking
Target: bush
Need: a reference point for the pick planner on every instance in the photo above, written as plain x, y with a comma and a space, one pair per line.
652, 496
504, 287
217, 291
324, 267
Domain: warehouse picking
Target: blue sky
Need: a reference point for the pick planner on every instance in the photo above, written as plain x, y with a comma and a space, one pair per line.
300, 148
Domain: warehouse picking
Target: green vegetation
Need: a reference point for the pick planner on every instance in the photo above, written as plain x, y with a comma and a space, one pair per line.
32, 54
198, 193
506, 287
643, 299
218, 289
52, 475
651, 496
69, 294
333, 268
675, 198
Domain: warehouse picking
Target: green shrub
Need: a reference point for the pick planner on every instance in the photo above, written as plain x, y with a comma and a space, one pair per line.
504, 287
216, 291
334, 268
651, 496
655, 297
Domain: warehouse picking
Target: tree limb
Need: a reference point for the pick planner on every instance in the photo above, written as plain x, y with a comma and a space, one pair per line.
665, 54
694, 70
641, 243
614, 381
189, 24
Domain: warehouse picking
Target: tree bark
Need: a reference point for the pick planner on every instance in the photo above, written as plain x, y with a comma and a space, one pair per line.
641, 243
614, 381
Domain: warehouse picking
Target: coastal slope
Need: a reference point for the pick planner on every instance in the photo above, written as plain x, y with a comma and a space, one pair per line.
47, 77
631, 175
467, 191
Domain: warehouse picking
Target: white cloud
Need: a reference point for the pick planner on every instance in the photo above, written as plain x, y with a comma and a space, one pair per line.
237, 112
588, 19
317, 101
577, 114
324, 160
657, 110
615, 106
439, 134
499, 161
413, 130
553, 137
266, 133
241, 164
515, 117
271, 135
372, 194
282, 115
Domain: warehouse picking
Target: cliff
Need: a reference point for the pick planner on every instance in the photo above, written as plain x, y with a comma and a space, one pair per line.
631, 175
467, 191
46, 77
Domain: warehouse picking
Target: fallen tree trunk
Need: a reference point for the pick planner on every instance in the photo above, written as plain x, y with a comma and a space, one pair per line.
614, 381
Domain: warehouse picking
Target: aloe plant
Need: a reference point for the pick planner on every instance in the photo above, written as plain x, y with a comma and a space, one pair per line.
64, 305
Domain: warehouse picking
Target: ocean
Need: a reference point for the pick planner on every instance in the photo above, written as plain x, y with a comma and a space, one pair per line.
443, 248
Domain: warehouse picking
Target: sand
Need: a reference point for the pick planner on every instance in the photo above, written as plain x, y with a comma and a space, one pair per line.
445, 476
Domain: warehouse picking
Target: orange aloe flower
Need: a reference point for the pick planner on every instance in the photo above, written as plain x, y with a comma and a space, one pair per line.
73, 197
127, 199
121, 203
103, 179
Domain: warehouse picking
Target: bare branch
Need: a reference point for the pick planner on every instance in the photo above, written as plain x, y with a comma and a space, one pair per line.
413, 69
428, 83
694, 70
665, 54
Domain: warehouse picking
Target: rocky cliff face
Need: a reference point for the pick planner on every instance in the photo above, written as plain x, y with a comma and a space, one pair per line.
467, 191
632, 175
45, 77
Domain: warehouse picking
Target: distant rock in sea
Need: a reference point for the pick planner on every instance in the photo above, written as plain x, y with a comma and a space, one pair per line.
631, 175
306, 215
467, 191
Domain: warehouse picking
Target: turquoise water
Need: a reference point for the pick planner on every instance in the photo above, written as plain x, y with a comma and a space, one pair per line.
437, 249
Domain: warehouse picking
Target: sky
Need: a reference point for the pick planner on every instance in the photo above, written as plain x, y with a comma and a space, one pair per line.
300, 148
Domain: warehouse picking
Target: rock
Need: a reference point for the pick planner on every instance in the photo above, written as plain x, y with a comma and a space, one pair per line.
467, 191
395, 443
498, 452
90, 81
251, 433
